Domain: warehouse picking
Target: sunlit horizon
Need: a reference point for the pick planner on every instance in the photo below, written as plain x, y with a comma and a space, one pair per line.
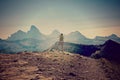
89, 33
89, 17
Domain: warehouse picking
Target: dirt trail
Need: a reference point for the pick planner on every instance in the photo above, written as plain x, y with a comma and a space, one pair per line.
49, 66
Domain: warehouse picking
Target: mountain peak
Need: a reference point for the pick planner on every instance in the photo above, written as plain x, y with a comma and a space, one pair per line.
19, 35
108, 42
113, 35
76, 32
76, 37
20, 31
35, 33
34, 30
33, 27
111, 50
55, 32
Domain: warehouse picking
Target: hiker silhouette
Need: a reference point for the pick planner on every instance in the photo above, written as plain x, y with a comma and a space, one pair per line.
61, 42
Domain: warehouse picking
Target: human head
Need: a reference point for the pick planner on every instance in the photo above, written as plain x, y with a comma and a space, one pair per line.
61, 34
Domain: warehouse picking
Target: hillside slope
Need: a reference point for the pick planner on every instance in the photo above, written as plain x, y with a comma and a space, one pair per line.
49, 66
109, 50
82, 49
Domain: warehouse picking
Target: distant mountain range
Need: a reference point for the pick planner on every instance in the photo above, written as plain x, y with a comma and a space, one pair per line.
33, 33
34, 40
73, 37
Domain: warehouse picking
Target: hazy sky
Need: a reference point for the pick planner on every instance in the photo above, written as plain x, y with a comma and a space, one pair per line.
90, 17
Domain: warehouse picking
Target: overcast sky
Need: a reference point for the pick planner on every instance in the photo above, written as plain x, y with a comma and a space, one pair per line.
90, 17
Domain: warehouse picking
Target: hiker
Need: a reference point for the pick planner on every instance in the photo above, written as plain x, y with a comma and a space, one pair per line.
61, 41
